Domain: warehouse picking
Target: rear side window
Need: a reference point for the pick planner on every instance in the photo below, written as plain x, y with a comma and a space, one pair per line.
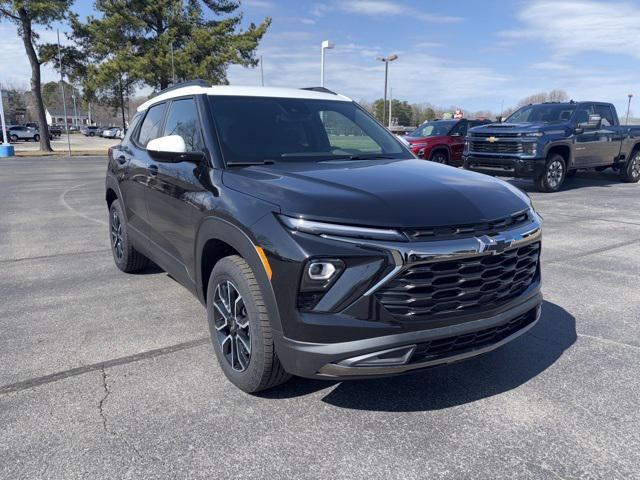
606, 114
151, 124
183, 120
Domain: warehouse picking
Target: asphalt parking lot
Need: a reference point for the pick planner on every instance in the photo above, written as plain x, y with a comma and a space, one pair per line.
78, 143
108, 375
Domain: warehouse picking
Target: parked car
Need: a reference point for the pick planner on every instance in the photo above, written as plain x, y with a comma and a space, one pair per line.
112, 132
91, 131
317, 254
550, 141
55, 131
21, 132
441, 141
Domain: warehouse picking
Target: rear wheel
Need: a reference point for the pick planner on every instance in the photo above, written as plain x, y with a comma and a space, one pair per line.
553, 175
36, 138
240, 327
126, 258
631, 171
440, 156
13, 138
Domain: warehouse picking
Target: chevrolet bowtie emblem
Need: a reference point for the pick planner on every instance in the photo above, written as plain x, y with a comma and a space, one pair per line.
493, 245
492, 139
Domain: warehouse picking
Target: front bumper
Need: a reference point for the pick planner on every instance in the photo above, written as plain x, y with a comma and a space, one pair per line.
406, 352
508, 166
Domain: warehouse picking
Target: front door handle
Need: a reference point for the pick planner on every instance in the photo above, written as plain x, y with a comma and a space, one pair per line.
153, 170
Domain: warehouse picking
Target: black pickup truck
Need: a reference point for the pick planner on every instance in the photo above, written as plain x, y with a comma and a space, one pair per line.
550, 141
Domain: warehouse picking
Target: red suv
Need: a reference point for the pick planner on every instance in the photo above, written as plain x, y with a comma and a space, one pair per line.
441, 141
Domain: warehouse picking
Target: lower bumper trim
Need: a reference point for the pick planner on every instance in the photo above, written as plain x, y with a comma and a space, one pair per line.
343, 370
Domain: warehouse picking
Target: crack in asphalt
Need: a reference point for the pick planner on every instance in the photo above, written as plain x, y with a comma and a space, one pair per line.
103, 416
136, 357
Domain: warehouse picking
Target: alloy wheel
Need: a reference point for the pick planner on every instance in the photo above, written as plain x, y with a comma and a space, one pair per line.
555, 172
232, 325
439, 158
116, 235
635, 166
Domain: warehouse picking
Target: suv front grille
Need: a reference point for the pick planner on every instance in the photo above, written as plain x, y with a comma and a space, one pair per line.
496, 147
470, 285
449, 346
491, 227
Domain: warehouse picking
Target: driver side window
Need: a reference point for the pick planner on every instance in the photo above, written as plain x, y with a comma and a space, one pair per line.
459, 129
183, 120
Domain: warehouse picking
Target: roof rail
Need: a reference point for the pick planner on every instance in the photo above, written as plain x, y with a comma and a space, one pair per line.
190, 83
319, 89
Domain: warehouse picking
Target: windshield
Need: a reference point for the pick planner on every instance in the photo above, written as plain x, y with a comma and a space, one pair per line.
256, 130
547, 113
433, 129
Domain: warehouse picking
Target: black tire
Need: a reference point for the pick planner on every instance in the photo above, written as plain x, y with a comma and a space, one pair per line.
440, 156
261, 368
630, 173
36, 138
553, 175
126, 258
91, 134
13, 138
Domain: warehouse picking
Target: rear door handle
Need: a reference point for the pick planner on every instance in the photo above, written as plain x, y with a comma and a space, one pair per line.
121, 159
153, 170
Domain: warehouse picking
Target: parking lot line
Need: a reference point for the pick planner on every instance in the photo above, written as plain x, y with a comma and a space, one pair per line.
54, 377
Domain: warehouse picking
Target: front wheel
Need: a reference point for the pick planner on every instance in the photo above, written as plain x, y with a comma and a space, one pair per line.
36, 138
630, 173
240, 327
553, 175
439, 157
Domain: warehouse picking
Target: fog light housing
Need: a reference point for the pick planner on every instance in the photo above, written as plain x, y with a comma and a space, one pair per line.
318, 276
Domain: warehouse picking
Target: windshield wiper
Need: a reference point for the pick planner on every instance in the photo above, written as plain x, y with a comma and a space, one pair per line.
373, 156
266, 161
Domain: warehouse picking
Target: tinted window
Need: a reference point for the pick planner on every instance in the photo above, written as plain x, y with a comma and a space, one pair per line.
255, 129
607, 115
544, 112
434, 129
582, 115
459, 129
183, 120
151, 124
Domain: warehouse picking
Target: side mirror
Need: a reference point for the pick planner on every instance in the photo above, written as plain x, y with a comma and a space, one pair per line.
594, 123
172, 149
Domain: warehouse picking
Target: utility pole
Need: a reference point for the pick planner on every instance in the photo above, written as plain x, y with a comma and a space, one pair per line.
390, 105
64, 102
173, 67
386, 61
626, 122
261, 72
324, 46
75, 108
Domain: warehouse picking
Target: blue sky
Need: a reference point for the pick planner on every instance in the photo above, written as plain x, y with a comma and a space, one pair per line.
473, 54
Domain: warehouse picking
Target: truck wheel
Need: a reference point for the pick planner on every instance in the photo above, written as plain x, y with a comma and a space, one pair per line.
240, 327
553, 175
631, 171
440, 156
126, 258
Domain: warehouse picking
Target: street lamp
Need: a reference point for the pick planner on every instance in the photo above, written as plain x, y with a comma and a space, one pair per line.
325, 45
628, 107
386, 61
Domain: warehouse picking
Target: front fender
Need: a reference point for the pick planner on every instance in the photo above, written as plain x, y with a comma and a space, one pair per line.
215, 228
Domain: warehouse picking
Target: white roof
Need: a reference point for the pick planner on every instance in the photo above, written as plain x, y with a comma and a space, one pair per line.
233, 90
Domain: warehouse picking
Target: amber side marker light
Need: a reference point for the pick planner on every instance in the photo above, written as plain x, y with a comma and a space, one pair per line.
265, 262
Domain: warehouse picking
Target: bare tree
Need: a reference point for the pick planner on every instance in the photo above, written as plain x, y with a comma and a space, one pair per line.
25, 14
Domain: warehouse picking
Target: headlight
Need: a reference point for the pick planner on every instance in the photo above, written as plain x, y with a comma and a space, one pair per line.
529, 148
337, 230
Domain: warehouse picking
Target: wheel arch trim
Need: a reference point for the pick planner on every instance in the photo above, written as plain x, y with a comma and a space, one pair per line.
215, 228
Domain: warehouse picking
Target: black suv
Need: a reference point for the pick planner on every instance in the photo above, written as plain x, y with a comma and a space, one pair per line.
319, 244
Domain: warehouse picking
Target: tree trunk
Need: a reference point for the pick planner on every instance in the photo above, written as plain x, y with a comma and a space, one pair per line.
36, 87
124, 125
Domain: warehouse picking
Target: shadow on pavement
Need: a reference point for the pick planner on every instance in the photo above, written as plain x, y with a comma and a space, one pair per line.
441, 387
584, 179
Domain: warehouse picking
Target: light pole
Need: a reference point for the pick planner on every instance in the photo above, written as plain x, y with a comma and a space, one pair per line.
75, 108
325, 45
386, 61
628, 107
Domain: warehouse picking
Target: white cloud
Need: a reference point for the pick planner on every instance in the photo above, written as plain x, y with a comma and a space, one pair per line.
381, 9
257, 3
578, 26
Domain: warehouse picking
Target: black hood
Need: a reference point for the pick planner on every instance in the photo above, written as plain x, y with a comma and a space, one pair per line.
390, 193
